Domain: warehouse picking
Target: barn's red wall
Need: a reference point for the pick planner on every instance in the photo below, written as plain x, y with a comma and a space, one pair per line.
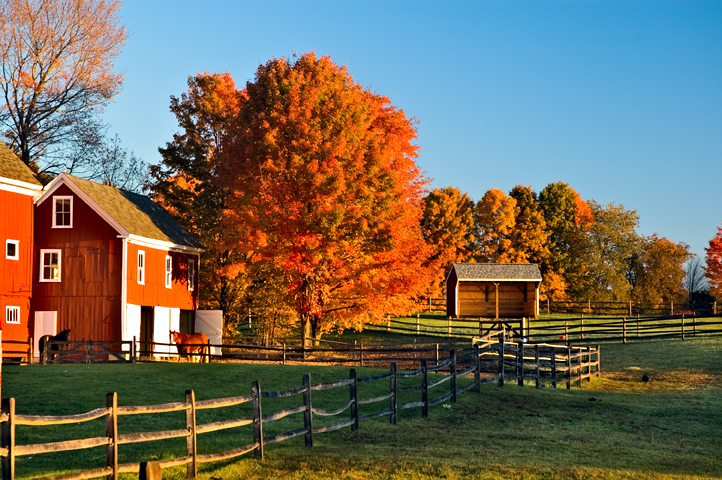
88, 297
154, 292
16, 223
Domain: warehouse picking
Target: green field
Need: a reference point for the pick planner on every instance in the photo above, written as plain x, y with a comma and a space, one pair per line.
615, 427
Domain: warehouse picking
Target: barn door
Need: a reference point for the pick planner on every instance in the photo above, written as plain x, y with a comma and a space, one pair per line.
46, 323
210, 322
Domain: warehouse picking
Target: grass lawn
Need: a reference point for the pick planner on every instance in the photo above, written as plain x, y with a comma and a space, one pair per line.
615, 427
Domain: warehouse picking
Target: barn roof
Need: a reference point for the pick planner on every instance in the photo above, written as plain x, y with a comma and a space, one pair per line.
12, 168
131, 214
498, 271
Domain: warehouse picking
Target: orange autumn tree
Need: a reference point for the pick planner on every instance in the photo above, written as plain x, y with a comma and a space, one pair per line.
713, 270
326, 189
494, 217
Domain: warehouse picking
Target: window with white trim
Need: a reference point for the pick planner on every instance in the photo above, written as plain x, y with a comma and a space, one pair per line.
12, 249
168, 271
50, 265
12, 314
191, 273
141, 267
62, 212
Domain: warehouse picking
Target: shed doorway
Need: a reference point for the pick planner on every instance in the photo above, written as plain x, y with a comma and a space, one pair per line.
146, 331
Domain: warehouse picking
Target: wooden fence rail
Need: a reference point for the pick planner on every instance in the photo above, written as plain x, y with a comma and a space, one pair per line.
495, 360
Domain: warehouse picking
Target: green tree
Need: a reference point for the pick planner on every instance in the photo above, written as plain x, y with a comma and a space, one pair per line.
447, 226
612, 243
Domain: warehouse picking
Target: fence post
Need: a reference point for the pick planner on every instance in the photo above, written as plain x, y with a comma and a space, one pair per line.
630, 308
520, 364
481, 326
191, 441
501, 359
208, 352
111, 431
683, 326
477, 368
566, 333
538, 370
694, 323
714, 308
599, 362
624, 329
354, 399
394, 392
569, 368
284, 353
589, 363
437, 354
8, 439
554, 367
548, 310
637, 325
671, 307
579, 368
361, 352
417, 323
452, 371
424, 390
257, 418
429, 304
133, 352
308, 413
449, 334
581, 327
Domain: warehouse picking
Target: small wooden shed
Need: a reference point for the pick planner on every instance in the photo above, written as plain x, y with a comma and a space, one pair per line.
493, 290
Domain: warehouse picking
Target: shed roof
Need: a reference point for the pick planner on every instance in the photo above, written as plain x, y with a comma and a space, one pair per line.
11, 167
497, 271
137, 214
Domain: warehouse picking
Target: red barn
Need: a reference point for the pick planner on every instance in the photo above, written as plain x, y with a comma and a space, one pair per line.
17, 187
111, 265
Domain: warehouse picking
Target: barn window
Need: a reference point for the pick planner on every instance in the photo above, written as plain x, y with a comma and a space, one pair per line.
168, 271
141, 267
62, 212
12, 249
12, 315
49, 265
191, 273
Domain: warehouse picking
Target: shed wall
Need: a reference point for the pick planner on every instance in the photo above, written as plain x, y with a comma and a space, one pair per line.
478, 299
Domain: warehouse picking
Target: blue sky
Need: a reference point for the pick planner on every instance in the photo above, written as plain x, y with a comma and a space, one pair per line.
622, 100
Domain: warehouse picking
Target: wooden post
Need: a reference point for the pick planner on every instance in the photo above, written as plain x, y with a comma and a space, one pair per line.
566, 332
694, 323
589, 304
548, 310
599, 362
394, 392
569, 368
87, 352
308, 413
208, 352
579, 368
637, 325
624, 329
671, 307
354, 399
481, 327
554, 367
714, 308
581, 327
424, 390
449, 332
589, 363
452, 371
284, 353
437, 354
496, 299
538, 370
388, 323
134, 351
257, 419
191, 440
361, 353
520, 364
417, 323
477, 368
501, 359
111, 431
429, 304
683, 326
355, 353
8, 439
630, 308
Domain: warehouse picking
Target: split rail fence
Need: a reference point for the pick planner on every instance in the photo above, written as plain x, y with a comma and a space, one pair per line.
489, 361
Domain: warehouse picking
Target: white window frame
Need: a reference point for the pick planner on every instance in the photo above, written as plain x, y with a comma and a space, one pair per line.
12, 315
168, 271
17, 249
140, 272
55, 205
42, 265
191, 274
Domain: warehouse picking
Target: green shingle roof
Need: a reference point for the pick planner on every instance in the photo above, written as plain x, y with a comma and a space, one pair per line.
138, 214
497, 271
13, 168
